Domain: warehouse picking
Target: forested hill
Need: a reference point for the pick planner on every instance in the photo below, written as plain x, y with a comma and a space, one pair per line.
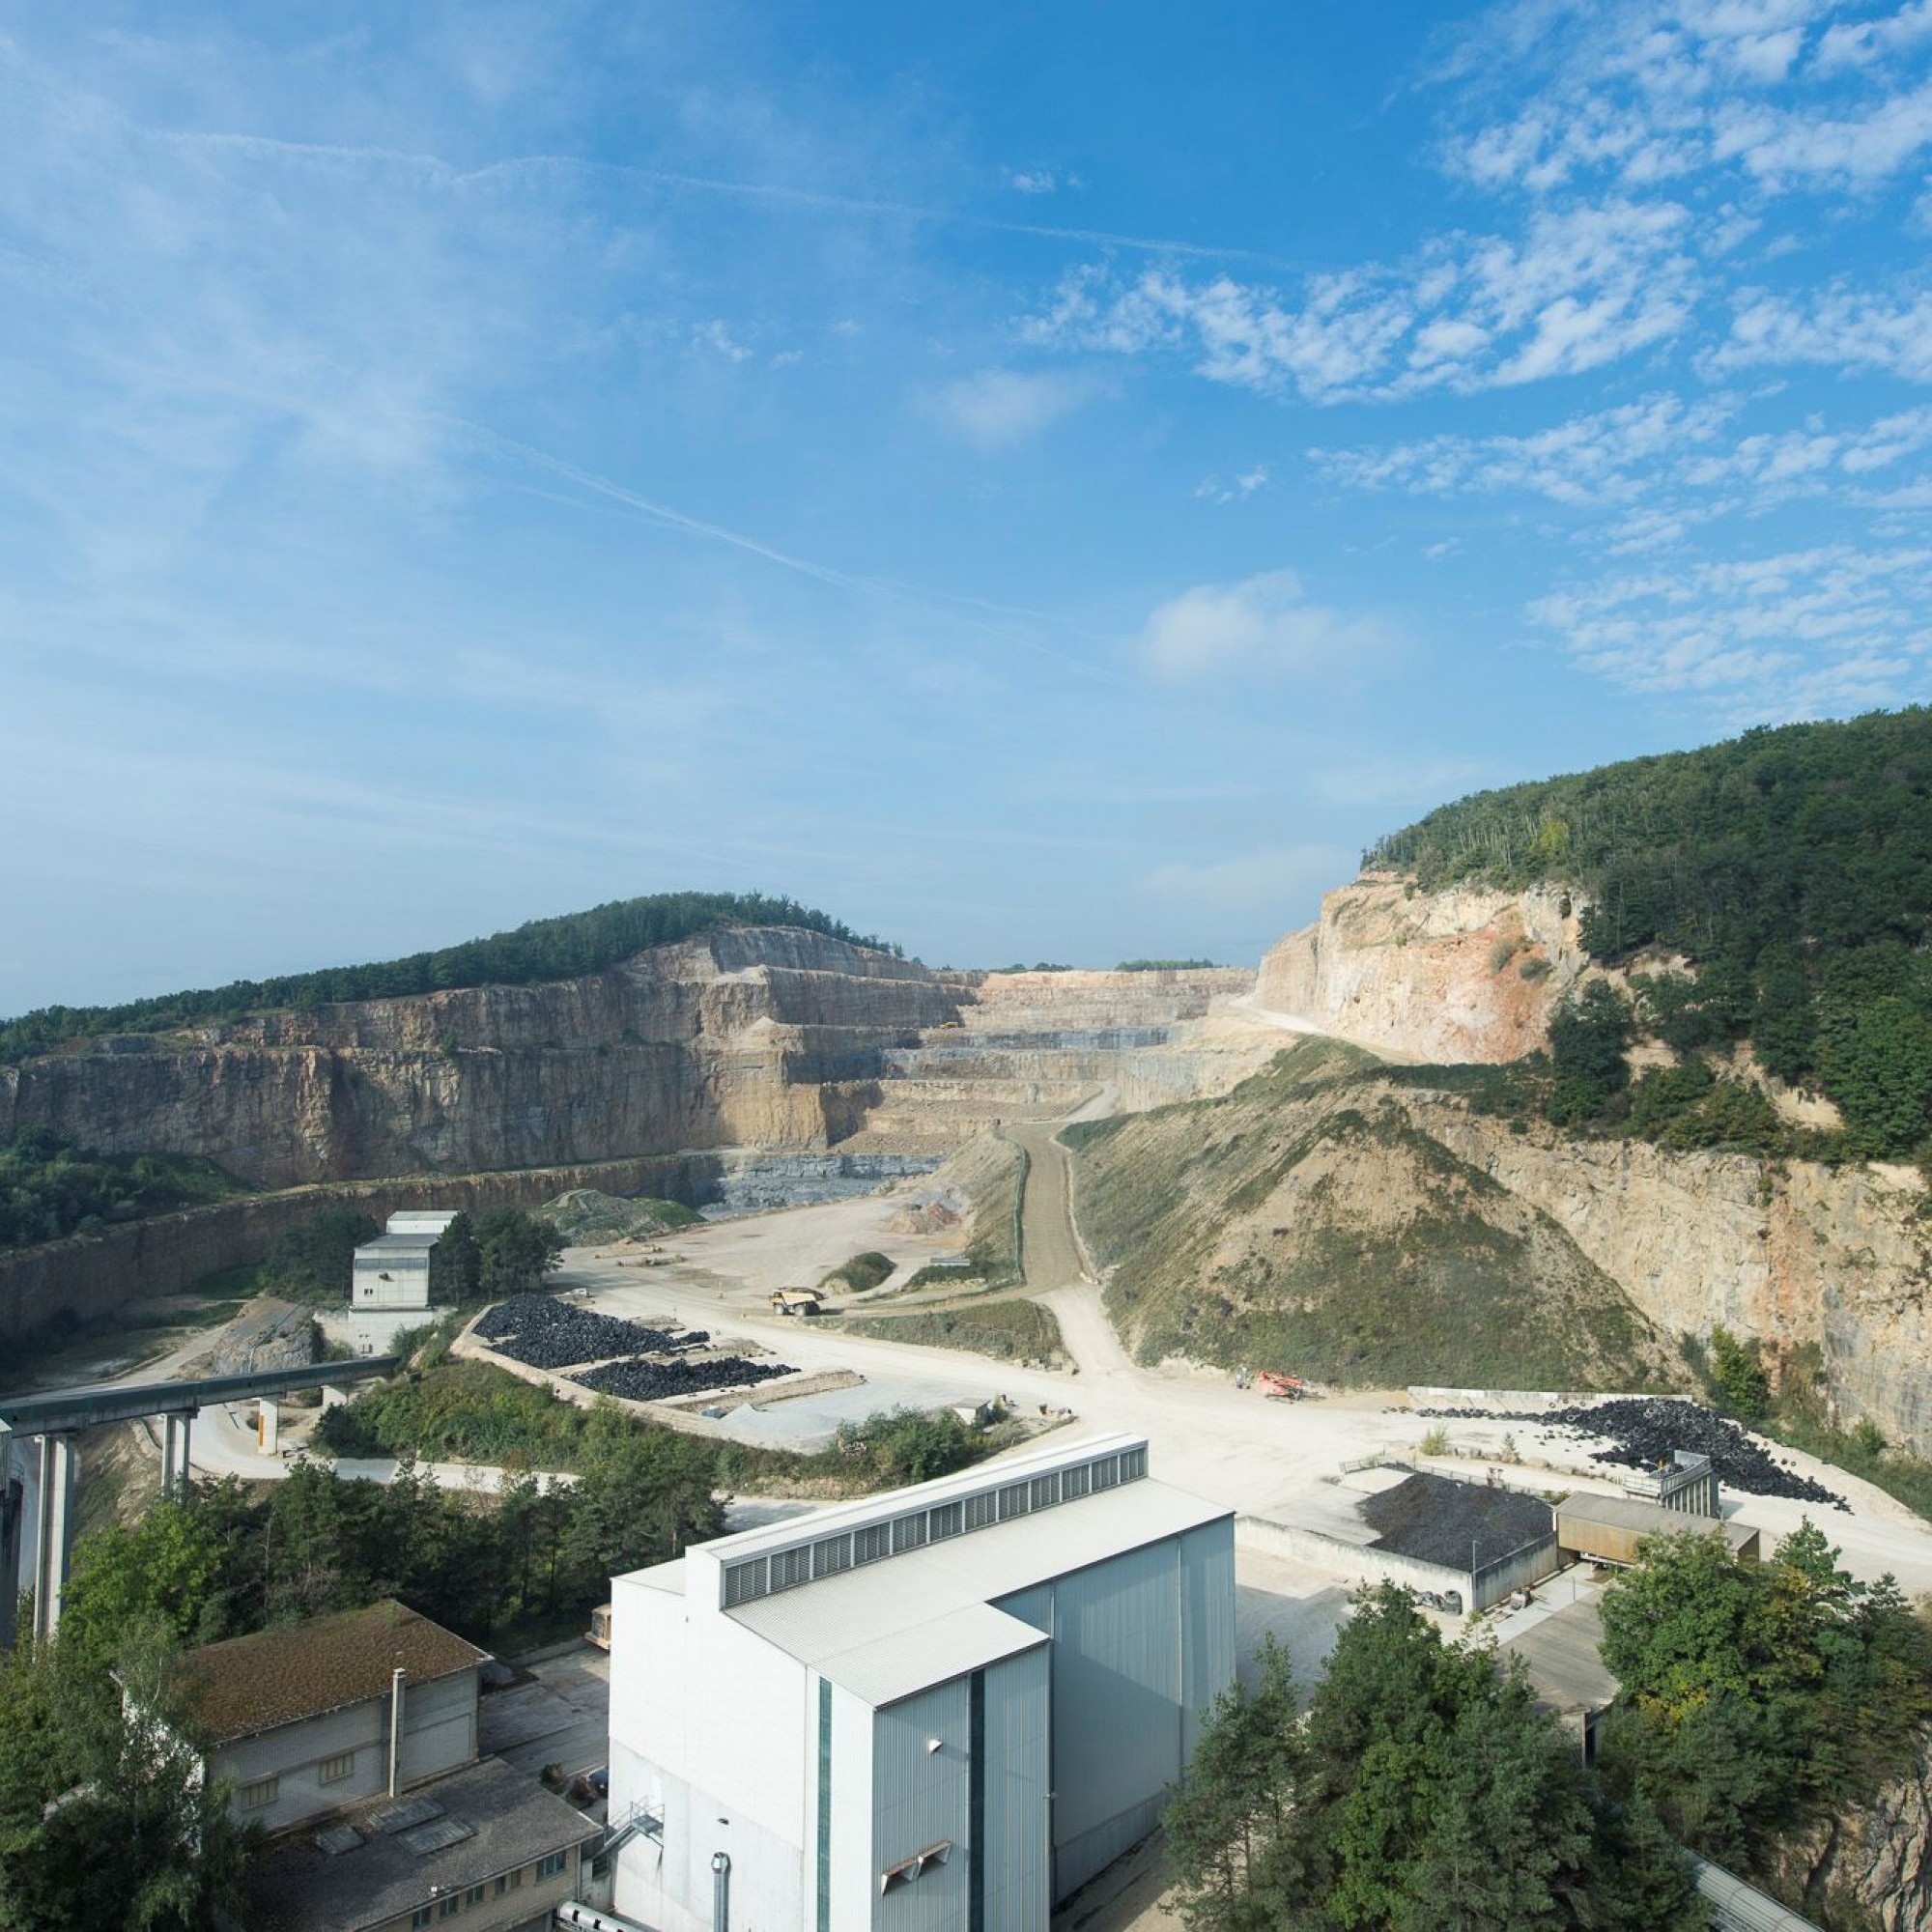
544, 949
1793, 867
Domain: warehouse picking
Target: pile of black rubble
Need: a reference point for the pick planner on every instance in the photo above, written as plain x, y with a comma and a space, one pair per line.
549, 1333
655, 1381
1644, 1430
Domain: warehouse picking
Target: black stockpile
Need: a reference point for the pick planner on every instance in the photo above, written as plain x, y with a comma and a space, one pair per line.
550, 1333
656, 1382
1644, 1430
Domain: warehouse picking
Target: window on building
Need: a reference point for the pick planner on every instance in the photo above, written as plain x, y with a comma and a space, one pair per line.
550, 1864
945, 1521
259, 1794
872, 1543
1045, 1491
1073, 1482
510, 1881
335, 1769
790, 1568
909, 1533
1133, 1464
1012, 1501
421, 1916
1106, 1472
831, 1555
980, 1510
450, 1906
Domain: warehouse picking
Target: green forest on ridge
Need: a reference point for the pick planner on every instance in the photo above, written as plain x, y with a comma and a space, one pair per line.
543, 948
1791, 867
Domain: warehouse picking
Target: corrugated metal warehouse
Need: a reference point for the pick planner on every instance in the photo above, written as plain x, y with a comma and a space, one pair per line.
1609, 1528
939, 1709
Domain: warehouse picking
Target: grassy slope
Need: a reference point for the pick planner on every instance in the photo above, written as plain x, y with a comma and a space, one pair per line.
1305, 1223
1011, 1329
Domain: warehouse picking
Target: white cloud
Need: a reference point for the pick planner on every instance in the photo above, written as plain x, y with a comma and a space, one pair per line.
1212, 490
1581, 287
1861, 43
716, 337
1262, 624
997, 410
1605, 457
1651, 91
1841, 327
1793, 634
1682, 455
1031, 181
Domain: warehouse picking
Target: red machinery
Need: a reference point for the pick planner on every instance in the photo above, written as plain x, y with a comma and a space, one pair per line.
1279, 1387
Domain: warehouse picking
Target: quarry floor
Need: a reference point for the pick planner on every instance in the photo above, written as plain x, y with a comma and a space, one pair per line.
1231, 1446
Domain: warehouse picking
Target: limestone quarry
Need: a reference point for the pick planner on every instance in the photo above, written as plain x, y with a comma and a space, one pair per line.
770, 1065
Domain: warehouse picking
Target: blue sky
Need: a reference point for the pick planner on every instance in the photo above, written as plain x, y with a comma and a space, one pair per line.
1040, 483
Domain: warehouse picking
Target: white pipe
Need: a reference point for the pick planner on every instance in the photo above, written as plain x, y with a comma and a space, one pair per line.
396, 1730
591, 1919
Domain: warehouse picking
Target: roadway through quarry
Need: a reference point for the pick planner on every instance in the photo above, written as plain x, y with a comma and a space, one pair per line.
1232, 1446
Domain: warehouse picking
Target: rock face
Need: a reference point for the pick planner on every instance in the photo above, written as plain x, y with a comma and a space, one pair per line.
1032, 1046
765, 1038
1873, 1863
743, 1036
1459, 975
1333, 1171
1787, 1253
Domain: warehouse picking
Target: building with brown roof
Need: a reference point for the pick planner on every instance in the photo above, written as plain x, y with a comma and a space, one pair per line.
311, 1717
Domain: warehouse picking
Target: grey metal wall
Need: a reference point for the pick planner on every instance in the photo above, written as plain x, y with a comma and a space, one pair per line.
1530, 1564
920, 1797
1017, 1861
1142, 1644
1208, 1624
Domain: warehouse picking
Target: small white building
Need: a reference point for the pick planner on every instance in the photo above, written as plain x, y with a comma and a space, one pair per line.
392, 1271
943, 1708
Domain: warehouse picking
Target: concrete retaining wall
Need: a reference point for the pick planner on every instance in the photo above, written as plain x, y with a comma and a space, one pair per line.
1526, 1402
1350, 1559
93, 1276
1489, 1585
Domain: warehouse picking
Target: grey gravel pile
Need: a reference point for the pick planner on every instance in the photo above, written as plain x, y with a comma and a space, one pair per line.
1644, 1430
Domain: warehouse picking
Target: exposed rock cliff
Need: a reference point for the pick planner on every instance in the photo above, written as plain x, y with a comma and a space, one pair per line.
1466, 974
1872, 1865
1333, 1206
740, 1037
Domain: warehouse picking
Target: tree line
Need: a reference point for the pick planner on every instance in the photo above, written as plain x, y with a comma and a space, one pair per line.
1424, 1789
1791, 867
50, 1187
541, 950
502, 1251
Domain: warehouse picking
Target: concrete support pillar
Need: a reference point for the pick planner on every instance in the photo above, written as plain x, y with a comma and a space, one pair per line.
55, 1542
170, 1453
184, 1486
269, 1426
12, 1525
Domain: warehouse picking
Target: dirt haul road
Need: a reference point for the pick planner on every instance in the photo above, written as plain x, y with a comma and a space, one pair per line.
1229, 1446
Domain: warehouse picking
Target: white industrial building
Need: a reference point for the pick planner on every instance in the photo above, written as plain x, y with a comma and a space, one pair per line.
392, 1271
939, 1710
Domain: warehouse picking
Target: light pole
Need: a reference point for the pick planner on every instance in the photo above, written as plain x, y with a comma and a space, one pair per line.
721, 1891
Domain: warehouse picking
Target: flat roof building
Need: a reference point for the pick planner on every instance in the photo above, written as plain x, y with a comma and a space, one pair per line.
392, 1271
947, 1707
